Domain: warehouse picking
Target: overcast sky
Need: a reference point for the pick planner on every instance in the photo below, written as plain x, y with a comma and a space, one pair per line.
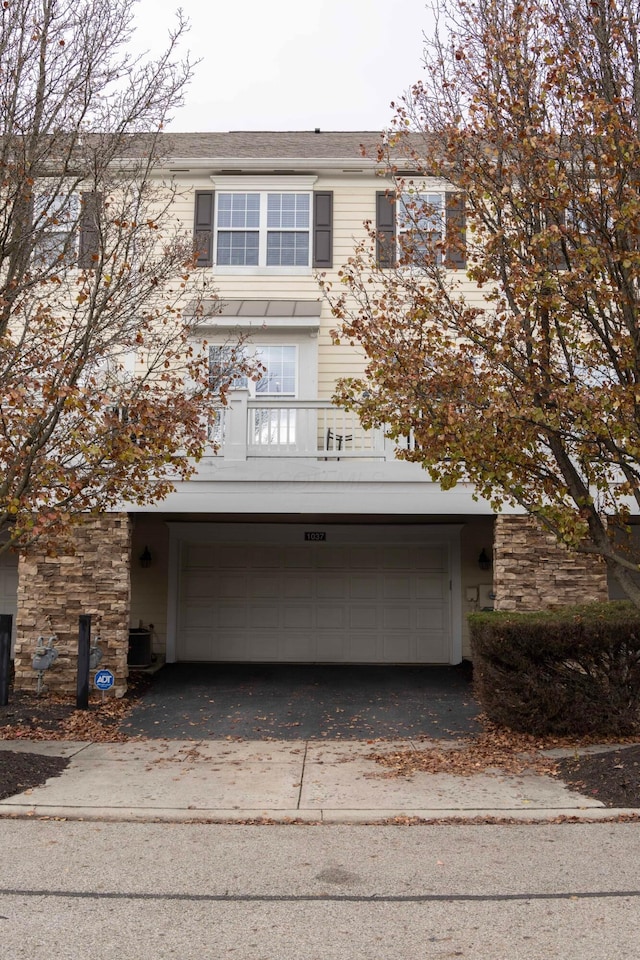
293, 64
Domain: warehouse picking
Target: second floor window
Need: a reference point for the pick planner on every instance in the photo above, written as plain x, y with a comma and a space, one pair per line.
56, 223
420, 226
263, 229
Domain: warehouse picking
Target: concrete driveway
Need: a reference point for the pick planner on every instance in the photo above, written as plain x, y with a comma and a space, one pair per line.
264, 702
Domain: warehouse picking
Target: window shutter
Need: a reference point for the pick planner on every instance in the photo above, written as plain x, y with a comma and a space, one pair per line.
89, 234
323, 228
203, 228
456, 254
385, 225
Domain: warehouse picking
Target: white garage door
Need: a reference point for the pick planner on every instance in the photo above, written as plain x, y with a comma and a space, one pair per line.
362, 595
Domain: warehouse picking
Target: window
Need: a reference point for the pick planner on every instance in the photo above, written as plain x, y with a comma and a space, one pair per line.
278, 378
280, 374
263, 229
67, 229
55, 219
413, 223
276, 363
420, 226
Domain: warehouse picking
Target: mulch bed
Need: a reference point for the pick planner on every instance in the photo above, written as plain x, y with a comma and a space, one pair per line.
22, 771
612, 777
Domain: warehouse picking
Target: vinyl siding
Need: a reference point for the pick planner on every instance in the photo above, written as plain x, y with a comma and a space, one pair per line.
354, 199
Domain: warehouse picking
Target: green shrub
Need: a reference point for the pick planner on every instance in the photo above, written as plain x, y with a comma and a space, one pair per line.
575, 670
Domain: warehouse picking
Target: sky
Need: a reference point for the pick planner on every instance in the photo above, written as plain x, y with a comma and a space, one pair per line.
292, 64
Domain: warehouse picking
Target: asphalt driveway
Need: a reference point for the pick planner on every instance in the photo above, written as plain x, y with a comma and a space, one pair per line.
264, 702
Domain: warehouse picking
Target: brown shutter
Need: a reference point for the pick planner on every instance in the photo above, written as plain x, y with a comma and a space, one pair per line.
323, 228
386, 229
456, 219
203, 228
89, 233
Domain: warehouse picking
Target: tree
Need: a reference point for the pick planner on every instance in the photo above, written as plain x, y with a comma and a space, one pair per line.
521, 372
102, 397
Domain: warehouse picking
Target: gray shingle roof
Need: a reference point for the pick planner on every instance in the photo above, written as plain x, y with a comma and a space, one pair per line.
257, 144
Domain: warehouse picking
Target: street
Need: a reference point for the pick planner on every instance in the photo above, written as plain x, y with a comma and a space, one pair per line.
74, 890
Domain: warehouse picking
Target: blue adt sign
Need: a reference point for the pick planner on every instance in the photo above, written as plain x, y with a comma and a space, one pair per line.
104, 679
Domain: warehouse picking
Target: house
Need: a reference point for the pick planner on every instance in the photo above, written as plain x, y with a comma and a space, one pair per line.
303, 538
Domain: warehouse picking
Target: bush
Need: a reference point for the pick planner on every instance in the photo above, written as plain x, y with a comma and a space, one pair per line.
575, 670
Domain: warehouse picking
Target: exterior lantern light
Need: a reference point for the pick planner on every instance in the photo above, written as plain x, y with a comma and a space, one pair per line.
145, 558
484, 561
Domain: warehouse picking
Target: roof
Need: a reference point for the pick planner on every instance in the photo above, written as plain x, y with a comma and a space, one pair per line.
272, 145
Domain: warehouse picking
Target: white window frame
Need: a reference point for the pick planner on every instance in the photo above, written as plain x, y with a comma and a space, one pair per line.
408, 218
252, 352
263, 187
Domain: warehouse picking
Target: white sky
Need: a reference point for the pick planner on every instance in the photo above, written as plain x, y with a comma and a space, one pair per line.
292, 64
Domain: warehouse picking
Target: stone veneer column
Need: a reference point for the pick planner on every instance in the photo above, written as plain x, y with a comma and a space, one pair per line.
95, 580
532, 571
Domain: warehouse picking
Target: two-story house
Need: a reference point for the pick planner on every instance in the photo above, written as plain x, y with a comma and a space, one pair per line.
302, 539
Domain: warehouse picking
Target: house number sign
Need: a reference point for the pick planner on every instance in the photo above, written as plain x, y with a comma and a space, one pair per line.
316, 535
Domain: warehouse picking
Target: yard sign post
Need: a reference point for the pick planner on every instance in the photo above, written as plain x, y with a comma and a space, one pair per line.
84, 646
5, 656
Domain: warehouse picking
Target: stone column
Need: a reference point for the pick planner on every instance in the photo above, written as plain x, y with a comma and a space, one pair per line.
532, 571
94, 579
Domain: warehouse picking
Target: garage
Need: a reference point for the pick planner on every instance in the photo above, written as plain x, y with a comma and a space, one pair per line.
293, 593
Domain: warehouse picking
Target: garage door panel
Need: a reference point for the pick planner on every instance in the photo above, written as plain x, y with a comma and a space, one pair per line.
362, 646
362, 618
298, 618
398, 648
328, 557
296, 587
397, 588
368, 602
331, 588
430, 588
226, 585
263, 616
362, 558
291, 649
297, 558
430, 618
331, 618
267, 586
198, 615
232, 616
199, 584
398, 618
363, 588
265, 557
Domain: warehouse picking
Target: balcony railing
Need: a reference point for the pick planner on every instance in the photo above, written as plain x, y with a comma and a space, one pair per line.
311, 429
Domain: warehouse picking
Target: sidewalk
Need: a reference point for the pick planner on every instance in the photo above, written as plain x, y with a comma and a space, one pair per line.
305, 780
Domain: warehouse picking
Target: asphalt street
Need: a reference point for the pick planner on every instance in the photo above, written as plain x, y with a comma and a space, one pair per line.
73, 890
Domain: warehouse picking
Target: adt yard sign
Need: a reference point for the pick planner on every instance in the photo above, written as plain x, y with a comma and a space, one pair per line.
104, 679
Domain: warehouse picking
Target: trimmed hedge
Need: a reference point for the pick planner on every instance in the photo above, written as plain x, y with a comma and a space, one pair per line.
575, 670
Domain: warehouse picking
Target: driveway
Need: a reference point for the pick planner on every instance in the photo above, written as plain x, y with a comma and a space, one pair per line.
264, 702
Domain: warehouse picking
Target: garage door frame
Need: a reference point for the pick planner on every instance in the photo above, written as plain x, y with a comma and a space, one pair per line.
445, 535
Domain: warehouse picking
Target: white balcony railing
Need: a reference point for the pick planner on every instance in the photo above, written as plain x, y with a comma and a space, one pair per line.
312, 429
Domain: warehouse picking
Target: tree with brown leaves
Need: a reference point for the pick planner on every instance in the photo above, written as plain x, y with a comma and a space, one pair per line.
102, 396
510, 350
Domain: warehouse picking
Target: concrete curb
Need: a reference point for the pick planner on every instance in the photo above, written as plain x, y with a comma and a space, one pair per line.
323, 816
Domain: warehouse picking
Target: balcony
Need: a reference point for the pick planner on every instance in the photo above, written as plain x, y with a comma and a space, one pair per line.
252, 428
